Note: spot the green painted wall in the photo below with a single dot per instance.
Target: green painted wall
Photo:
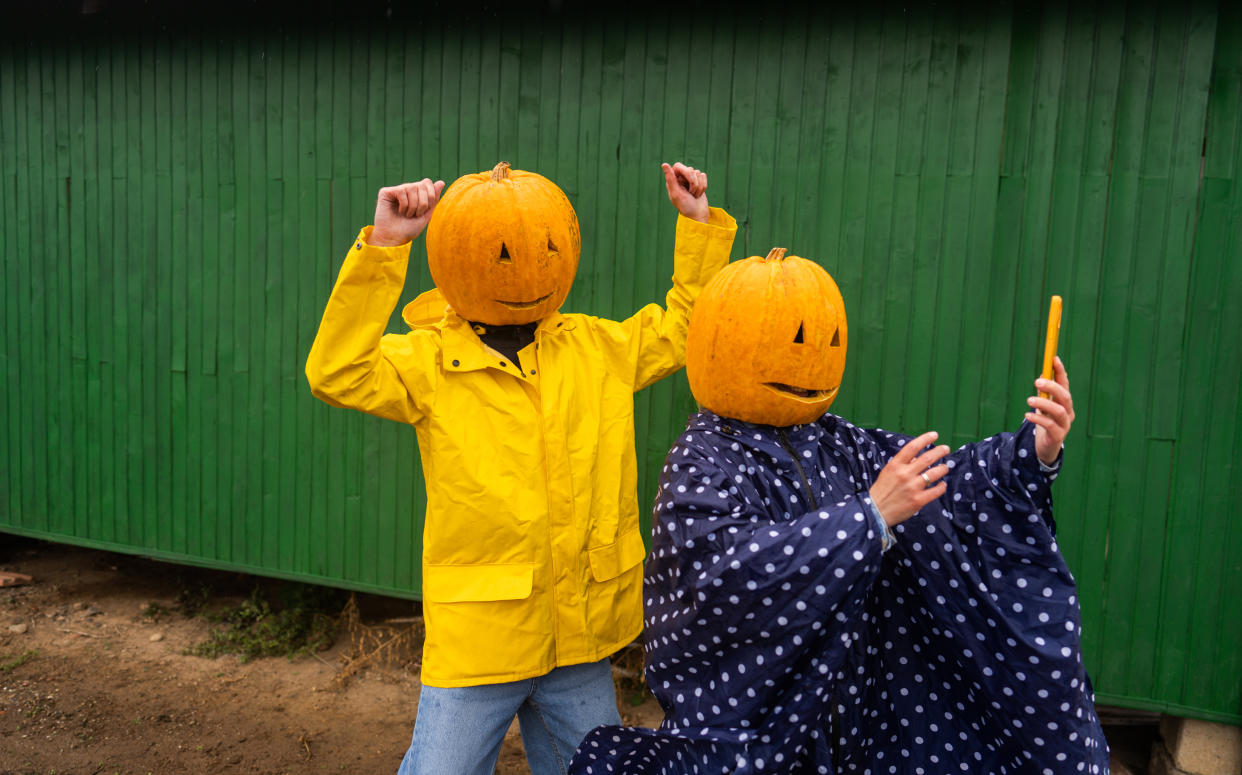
(176, 204)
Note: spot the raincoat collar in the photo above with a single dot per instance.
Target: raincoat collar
(463, 349)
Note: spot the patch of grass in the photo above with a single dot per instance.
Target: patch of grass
(299, 623)
(154, 612)
(8, 667)
(192, 601)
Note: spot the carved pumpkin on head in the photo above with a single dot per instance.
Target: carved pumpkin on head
(503, 246)
(767, 341)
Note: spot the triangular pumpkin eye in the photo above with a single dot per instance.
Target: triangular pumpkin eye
(798, 336)
(836, 338)
(552, 247)
(504, 255)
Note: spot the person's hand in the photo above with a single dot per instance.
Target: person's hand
(1054, 415)
(911, 480)
(402, 212)
(687, 190)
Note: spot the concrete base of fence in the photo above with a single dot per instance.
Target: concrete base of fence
(1192, 747)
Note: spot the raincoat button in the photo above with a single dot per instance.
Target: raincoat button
(502, 363)
(532, 371)
(456, 362)
(358, 246)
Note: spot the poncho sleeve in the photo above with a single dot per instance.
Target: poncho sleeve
(749, 614)
(982, 618)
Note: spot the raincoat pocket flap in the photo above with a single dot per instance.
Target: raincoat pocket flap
(477, 583)
(608, 562)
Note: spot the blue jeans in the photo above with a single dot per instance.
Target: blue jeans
(459, 731)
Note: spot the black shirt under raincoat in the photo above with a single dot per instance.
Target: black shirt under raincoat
(782, 638)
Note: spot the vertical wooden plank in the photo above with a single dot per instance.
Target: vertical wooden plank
(101, 283)
(147, 335)
(233, 163)
(602, 215)
(134, 242)
(585, 145)
(267, 449)
(37, 387)
(740, 138)
(651, 254)
(302, 242)
(1175, 641)
(1188, 66)
(58, 338)
(930, 226)
(880, 286)
(484, 151)
(981, 405)
(175, 265)
(720, 48)
(804, 180)
(1079, 327)
(10, 319)
(122, 367)
(191, 290)
(72, 94)
(1154, 215)
(330, 554)
(293, 71)
(1123, 536)
(900, 295)
(762, 162)
(254, 383)
(212, 86)
(850, 239)
(946, 332)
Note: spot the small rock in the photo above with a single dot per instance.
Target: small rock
(20, 628)
(157, 636)
(79, 606)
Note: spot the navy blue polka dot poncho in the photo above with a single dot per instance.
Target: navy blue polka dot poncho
(782, 637)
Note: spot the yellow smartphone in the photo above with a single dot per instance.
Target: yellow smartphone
(1050, 342)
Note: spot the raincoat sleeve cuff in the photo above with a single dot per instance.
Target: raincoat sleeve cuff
(887, 539)
(379, 252)
(1056, 464)
(720, 225)
(702, 249)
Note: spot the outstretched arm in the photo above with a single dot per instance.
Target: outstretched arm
(351, 363)
(651, 344)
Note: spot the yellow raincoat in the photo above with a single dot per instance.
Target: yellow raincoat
(532, 553)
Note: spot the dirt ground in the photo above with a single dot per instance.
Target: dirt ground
(94, 679)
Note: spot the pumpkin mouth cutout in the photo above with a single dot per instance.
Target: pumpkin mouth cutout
(524, 304)
(806, 395)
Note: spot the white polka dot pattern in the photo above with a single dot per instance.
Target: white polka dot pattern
(780, 639)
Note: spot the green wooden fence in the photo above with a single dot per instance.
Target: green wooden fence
(176, 204)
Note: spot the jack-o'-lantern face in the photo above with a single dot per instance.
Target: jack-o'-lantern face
(767, 341)
(503, 246)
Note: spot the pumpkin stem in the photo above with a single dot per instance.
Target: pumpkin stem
(500, 171)
(776, 254)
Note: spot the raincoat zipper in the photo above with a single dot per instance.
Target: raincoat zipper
(806, 484)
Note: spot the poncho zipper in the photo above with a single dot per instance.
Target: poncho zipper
(806, 484)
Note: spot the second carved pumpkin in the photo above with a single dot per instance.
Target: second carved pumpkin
(503, 246)
(767, 341)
